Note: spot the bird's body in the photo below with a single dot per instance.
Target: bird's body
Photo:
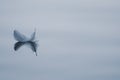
(23, 40)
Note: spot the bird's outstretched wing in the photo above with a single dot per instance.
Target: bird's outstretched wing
(33, 46)
(33, 36)
(18, 45)
(20, 37)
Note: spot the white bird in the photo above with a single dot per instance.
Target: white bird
(22, 40)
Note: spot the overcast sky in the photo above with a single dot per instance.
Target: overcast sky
(78, 39)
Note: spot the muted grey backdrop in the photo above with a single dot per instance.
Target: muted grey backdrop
(78, 39)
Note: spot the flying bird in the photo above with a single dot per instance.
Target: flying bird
(23, 40)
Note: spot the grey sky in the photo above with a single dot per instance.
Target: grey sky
(78, 39)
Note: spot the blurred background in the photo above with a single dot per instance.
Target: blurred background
(78, 39)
